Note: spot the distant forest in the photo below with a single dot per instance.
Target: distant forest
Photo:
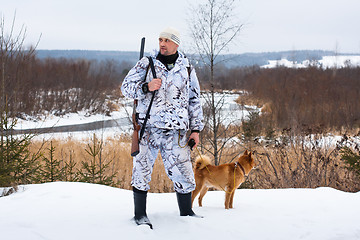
(232, 60)
(311, 99)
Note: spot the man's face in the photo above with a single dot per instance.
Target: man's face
(167, 47)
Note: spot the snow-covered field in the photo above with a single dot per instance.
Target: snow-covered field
(74, 211)
(74, 119)
(325, 62)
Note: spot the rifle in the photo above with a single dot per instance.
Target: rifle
(135, 135)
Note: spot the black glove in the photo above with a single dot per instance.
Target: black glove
(191, 143)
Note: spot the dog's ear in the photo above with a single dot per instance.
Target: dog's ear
(249, 154)
(246, 152)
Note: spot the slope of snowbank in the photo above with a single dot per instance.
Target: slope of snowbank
(76, 211)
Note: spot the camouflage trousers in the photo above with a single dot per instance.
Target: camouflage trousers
(176, 159)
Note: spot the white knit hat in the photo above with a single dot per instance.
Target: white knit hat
(172, 34)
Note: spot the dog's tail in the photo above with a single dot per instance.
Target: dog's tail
(201, 162)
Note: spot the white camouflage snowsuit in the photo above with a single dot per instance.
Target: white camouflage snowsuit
(176, 109)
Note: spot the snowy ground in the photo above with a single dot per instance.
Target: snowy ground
(50, 120)
(74, 211)
(325, 62)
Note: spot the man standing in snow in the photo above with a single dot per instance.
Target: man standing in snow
(175, 110)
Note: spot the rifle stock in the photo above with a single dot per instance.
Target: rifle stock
(135, 144)
(135, 136)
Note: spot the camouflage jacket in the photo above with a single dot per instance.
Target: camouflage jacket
(176, 104)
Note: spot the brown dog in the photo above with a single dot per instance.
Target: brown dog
(226, 177)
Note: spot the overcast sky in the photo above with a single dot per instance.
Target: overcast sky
(270, 25)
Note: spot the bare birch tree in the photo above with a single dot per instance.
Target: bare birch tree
(213, 27)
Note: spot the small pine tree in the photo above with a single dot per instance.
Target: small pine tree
(51, 171)
(17, 164)
(94, 171)
(70, 172)
(7, 167)
(351, 159)
(251, 126)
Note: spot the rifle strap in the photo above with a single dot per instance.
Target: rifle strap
(135, 100)
(151, 63)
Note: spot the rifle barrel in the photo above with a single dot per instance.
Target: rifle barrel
(142, 48)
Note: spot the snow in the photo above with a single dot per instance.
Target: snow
(49, 120)
(64, 210)
(65, 120)
(325, 62)
(74, 119)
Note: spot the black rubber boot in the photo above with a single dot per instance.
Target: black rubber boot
(184, 202)
(140, 207)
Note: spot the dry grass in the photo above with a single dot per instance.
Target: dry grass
(287, 166)
(248, 99)
(116, 150)
(299, 166)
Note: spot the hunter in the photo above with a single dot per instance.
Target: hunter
(176, 110)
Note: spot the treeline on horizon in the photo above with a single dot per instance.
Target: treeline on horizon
(232, 60)
(311, 99)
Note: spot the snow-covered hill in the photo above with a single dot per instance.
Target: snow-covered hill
(75, 211)
(325, 62)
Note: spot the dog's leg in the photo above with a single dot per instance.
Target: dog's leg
(202, 194)
(232, 199)
(195, 192)
(227, 200)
